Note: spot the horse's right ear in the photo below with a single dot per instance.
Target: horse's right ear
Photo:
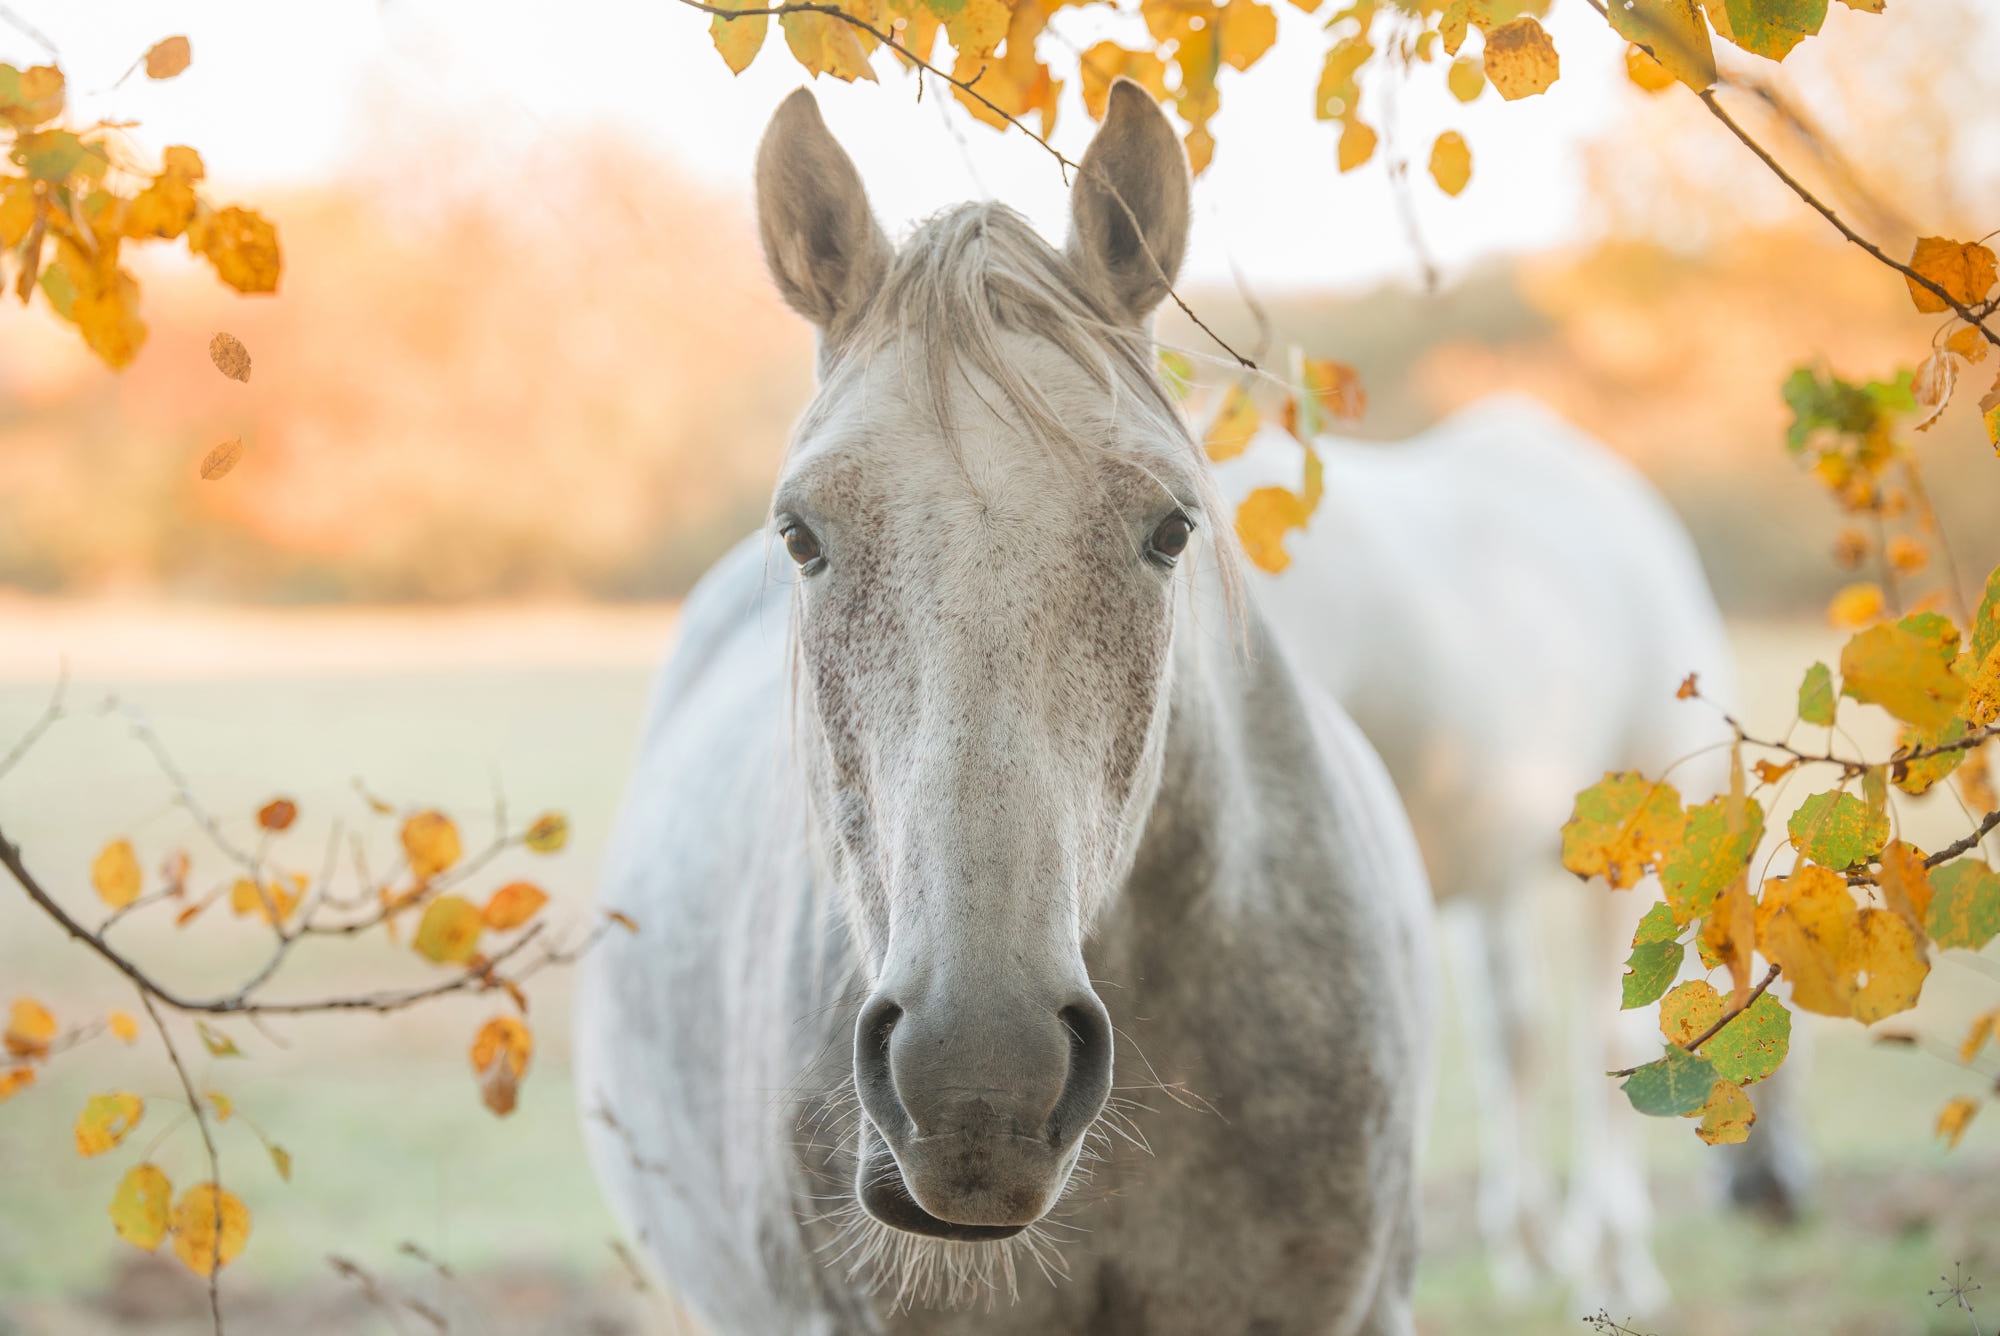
(826, 252)
(1129, 210)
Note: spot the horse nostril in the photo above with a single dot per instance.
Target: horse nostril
(873, 1080)
(1089, 1082)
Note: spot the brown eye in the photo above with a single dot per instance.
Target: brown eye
(799, 541)
(1170, 539)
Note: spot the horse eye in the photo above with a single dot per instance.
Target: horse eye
(799, 541)
(1171, 538)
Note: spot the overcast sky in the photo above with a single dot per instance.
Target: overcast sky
(284, 90)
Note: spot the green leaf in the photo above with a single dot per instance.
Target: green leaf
(1905, 668)
(1709, 856)
(1655, 960)
(1754, 1044)
(1816, 700)
(57, 155)
(1965, 904)
(1677, 1084)
(1836, 830)
(217, 1043)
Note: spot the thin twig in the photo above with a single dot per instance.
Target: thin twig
(1957, 847)
(34, 34)
(1770, 977)
(50, 713)
(207, 1140)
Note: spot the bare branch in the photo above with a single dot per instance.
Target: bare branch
(208, 1142)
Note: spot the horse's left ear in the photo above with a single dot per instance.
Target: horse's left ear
(1129, 212)
(825, 250)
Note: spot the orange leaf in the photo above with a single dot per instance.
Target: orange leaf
(123, 1024)
(278, 814)
(549, 833)
(500, 1053)
(1954, 1118)
(115, 874)
(512, 905)
(624, 921)
(1965, 269)
(30, 1027)
(166, 59)
(106, 1120)
(1856, 606)
(14, 1080)
(221, 459)
(1521, 61)
(430, 840)
(197, 1242)
(1451, 162)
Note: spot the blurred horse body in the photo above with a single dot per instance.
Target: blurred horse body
(1506, 609)
(975, 781)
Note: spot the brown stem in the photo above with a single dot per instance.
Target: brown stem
(207, 1140)
(1770, 977)
(1957, 847)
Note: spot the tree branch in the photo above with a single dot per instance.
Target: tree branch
(1770, 977)
(207, 1140)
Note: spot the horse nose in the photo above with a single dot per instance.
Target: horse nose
(959, 1068)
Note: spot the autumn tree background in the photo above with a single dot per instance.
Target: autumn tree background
(521, 378)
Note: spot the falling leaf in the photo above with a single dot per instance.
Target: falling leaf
(449, 931)
(1856, 606)
(231, 358)
(1837, 830)
(1671, 37)
(1965, 904)
(1233, 427)
(1520, 59)
(1816, 698)
(1964, 269)
(1619, 827)
(1905, 671)
(500, 1053)
(115, 874)
(512, 905)
(1954, 1118)
(1728, 1115)
(141, 1206)
(241, 245)
(549, 833)
(14, 1080)
(221, 459)
(1803, 925)
(1677, 1084)
(124, 1025)
(738, 39)
(30, 1027)
(1451, 162)
(217, 1043)
(167, 58)
(196, 1240)
(278, 814)
(106, 1120)
(1655, 960)
(1886, 959)
(430, 841)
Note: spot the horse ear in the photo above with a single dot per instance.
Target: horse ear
(825, 250)
(1129, 252)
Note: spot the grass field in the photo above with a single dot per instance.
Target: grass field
(381, 1117)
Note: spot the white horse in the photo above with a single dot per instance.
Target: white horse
(960, 773)
(1506, 609)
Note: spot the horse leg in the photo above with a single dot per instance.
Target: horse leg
(1607, 1249)
(1502, 1192)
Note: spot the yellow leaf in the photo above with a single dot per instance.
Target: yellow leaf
(512, 905)
(241, 245)
(1100, 67)
(739, 39)
(1728, 1116)
(1451, 162)
(1333, 392)
(199, 1244)
(30, 1027)
(1964, 269)
(1856, 606)
(220, 460)
(1357, 144)
(449, 930)
(1200, 145)
(1620, 826)
(1907, 556)
(1906, 674)
(107, 315)
(1672, 34)
(273, 904)
(1245, 30)
(430, 841)
(549, 833)
(1906, 883)
(1804, 922)
(224, 1106)
(1982, 697)
(1466, 79)
(163, 209)
(123, 1024)
(115, 874)
(1520, 59)
(1234, 425)
(500, 1053)
(105, 1121)
(976, 26)
(1337, 94)
(31, 96)
(17, 210)
(1263, 520)
(182, 163)
(14, 1080)
(1983, 1028)
(141, 1205)
(166, 59)
(1953, 1119)
(1688, 1011)
(1646, 72)
(1885, 959)
(827, 45)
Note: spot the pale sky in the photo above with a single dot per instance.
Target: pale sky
(284, 90)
